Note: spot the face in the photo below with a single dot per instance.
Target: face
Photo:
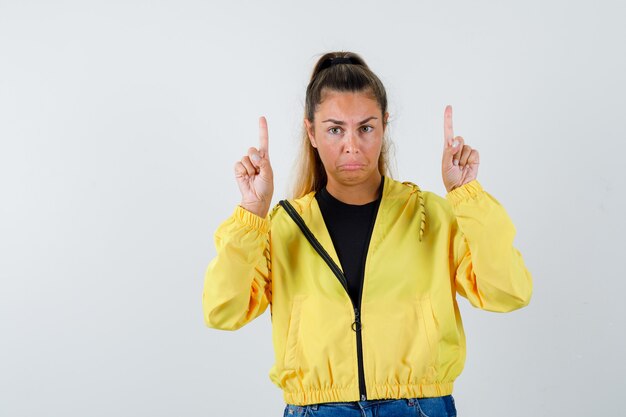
(348, 134)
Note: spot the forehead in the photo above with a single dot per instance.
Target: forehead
(348, 104)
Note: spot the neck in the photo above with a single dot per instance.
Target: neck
(357, 194)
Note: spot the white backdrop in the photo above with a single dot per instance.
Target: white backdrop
(120, 122)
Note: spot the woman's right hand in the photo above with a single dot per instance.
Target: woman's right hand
(255, 177)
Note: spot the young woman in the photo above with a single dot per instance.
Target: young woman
(361, 271)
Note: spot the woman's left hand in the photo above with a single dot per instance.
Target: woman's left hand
(460, 162)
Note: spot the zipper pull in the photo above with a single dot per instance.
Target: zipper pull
(356, 325)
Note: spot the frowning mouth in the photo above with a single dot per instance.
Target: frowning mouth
(351, 167)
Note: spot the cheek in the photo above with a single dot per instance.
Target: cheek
(328, 149)
(327, 156)
(372, 148)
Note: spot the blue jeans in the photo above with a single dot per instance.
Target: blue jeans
(406, 407)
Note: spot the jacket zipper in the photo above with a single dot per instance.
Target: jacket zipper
(356, 325)
(357, 309)
(315, 243)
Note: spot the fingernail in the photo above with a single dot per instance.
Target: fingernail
(255, 158)
(455, 162)
(455, 143)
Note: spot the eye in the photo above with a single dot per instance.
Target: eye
(367, 129)
(334, 130)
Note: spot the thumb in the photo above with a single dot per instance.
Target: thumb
(259, 159)
(451, 150)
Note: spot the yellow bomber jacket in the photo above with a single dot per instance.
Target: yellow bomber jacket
(424, 249)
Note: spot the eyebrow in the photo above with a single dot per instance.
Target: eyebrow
(339, 122)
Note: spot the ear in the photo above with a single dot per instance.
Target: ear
(385, 120)
(310, 130)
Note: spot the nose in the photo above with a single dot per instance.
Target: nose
(352, 144)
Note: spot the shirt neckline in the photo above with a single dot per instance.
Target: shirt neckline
(323, 193)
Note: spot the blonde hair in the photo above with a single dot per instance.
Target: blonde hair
(348, 73)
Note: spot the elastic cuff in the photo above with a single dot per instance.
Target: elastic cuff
(251, 219)
(471, 190)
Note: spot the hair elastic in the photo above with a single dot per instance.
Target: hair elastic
(336, 61)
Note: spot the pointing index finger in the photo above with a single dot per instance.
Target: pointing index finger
(263, 136)
(448, 133)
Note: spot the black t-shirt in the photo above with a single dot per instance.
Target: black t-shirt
(350, 227)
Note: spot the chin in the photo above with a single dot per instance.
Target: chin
(352, 177)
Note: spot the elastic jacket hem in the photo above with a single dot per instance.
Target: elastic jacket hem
(376, 392)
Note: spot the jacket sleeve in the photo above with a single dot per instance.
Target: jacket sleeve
(237, 282)
(490, 272)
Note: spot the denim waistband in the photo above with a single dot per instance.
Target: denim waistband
(367, 403)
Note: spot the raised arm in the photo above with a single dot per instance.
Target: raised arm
(237, 283)
(489, 271)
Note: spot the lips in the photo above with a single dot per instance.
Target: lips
(351, 166)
